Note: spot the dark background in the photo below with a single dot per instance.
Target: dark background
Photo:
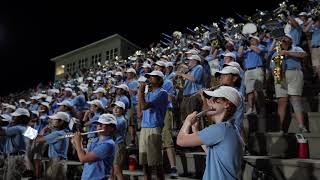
(33, 32)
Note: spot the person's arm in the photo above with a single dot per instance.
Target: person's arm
(301, 54)
(294, 23)
(186, 76)
(2, 132)
(240, 51)
(308, 26)
(141, 101)
(83, 155)
(195, 129)
(185, 139)
(256, 49)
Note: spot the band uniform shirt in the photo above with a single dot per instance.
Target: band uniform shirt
(168, 86)
(225, 151)
(15, 141)
(253, 59)
(121, 129)
(193, 87)
(57, 148)
(105, 151)
(315, 39)
(154, 116)
(92, 126)
(134, 85)
(123, 99)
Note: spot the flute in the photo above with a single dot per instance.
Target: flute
(70, 135)
(202, 113)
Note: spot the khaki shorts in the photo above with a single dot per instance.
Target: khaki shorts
(293, 84)
(120, 154)
(189, 105)
(315, 56)
(167, 130)
(150, 147)
(253, 80)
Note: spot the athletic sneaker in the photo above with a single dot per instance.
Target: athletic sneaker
(173, 174)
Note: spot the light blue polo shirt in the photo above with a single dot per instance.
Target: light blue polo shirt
(253, 59)
(33, 107)
(57, 148)
(170, 76)
(121, 129)
(43, 121)
(154, 116)
(225, 151)
(296, 33)
(315, 40)
(134, 85)
(104, 101)
(168, 86)
(93, 124)
(100, 169)
(15, 141)
(239, 115)
(290, 62)
(193, 87)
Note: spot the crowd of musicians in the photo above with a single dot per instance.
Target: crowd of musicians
(159, 92)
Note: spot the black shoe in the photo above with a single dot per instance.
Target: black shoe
(173, 173)
(27, 173)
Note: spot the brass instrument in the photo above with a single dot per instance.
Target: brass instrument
(278, 61)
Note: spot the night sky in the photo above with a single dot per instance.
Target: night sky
(32, 33)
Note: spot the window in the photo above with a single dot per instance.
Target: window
(107, 55)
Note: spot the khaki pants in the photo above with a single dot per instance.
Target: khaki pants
(14, 167)
(56, 170)
(190, 104)
(167, 130)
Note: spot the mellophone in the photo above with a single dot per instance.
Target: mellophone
(70, 135)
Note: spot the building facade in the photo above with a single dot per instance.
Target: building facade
(99, 52)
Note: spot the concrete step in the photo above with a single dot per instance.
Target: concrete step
(274, 168)
(312, 119)
(283, 145)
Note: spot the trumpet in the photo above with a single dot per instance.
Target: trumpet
(70, 135)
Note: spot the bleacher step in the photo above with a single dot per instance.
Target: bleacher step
(313, 120)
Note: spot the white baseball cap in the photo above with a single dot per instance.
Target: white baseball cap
(107, 119)
(96, 102)
(100, 90)
(195, 57)
(227, 92)
(230, 54)
(65, 103)
(46, 104)
(169, 64)
(5, 117)
(120, 104)
(9, 106)
(289, 36)
(154, 73)
(228, 70)
(233, 64)
(119, 74)
(192, 51)
(255, 37)
(83, 88)
(68, 89)
(34, 97)
(21, 112)
(123, 86)
(206, 48)
(161, 63)
(22, 101)
(131, 70)
(146, 65)
(61, 115)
